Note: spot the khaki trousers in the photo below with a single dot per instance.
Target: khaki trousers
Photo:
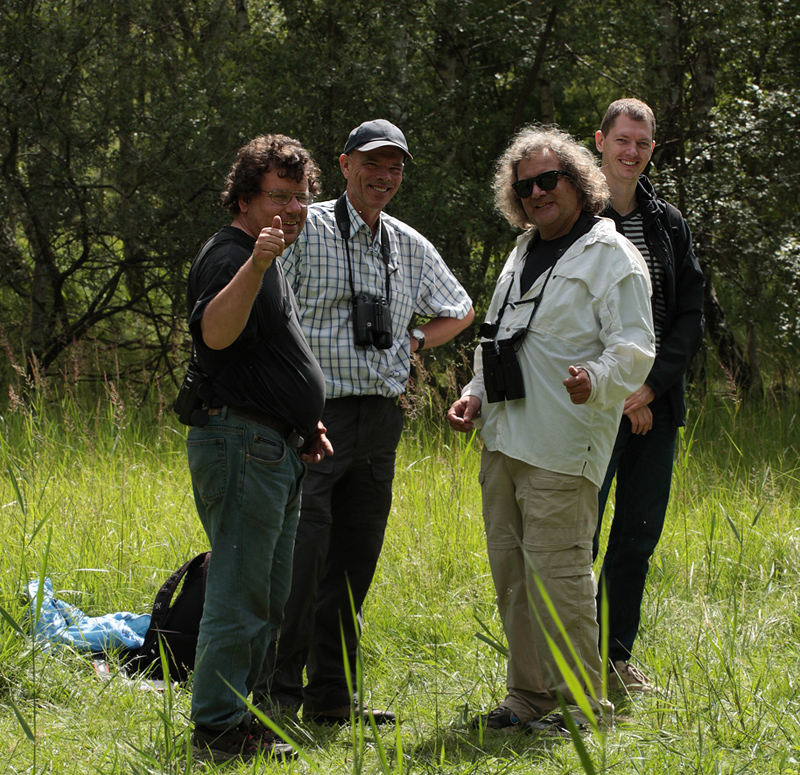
(541, 521)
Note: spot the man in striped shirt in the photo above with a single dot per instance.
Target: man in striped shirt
(360, 276)
(643, 453)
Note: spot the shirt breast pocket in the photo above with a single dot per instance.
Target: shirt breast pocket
(402, 308)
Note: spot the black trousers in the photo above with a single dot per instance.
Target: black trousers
(344, 510)
(643, 467)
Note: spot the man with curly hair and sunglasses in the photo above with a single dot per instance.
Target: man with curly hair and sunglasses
(567, 336)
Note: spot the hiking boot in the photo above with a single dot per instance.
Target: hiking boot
(499, 718)
(624, 675)
(282, 715)
(341, 716)
(552, 725)
(258, 727)
(244, 741)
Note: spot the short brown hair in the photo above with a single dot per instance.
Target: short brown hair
(264, 154)
(633, 109)
(576, 160)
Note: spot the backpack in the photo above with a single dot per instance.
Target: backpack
(174, 623)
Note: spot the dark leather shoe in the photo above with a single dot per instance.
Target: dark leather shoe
(499, 718)
(341, 716)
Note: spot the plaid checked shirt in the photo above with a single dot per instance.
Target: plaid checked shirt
(421, 283)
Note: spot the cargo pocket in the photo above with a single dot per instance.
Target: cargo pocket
(382, 470)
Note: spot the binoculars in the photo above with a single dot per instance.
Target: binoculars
(501, 370)
(372, 322)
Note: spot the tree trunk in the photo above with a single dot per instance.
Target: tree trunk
(719, 331)
(533, 75)
(756, 387)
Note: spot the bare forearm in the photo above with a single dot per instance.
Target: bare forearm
(441, 330)
(226, 314)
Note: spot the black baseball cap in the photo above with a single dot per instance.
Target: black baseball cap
(375, 134)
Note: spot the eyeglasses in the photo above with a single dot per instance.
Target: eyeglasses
(547, 181)
(304, 199)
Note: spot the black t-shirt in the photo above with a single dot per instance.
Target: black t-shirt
(542, 253)
(270, 367)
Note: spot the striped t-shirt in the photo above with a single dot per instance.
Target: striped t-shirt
(632, 226)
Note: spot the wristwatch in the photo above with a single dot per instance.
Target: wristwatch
(419, 335)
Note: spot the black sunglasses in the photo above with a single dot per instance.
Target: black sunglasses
(547, 181)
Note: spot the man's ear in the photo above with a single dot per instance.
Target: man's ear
(344, 164)
(598, 140)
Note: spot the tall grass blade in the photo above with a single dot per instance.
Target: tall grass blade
(577, 739)
(40, 524)
(604, 635)
(24, 724)
(576, 688)
(688, 442)
(12, 622)
(278, 730)
(758, 515)
(488, 638)
(556, 651)
(359, 743)
(15, 485)
(498, 647)
(730, 522)
(42, 577)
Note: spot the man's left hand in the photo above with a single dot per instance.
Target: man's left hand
(639, 398)
(578, 385)
(641, 420)
(317, 447)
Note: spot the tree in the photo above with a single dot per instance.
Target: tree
(123, 119)
(116, 134)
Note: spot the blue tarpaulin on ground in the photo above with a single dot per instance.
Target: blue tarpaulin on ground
(60, 623)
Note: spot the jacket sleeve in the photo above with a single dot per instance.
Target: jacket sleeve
(628, 343)
(680, 343)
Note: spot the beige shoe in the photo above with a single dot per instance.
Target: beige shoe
(629, 677)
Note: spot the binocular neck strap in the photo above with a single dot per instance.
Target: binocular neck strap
(536, 301)
(343, 224)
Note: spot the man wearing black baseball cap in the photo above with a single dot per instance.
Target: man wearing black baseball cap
(376, 134)
(360, 276)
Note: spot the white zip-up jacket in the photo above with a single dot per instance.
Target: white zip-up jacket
(595, 314)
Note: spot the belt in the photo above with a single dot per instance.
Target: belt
(293, 439)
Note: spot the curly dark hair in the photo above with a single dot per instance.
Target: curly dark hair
(264, 154)
(577, 161)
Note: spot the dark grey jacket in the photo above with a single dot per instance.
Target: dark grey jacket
(670, 241)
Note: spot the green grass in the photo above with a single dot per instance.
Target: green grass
(98, 499)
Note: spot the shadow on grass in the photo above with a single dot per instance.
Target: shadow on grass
(479, 748)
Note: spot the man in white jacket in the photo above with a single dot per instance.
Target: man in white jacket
(567, 338)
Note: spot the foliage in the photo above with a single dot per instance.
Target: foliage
(122, 119)
(117, 132)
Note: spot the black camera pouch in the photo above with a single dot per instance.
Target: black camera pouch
(191, 395)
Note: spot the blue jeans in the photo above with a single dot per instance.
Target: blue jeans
(246, 483)
(643, 467)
